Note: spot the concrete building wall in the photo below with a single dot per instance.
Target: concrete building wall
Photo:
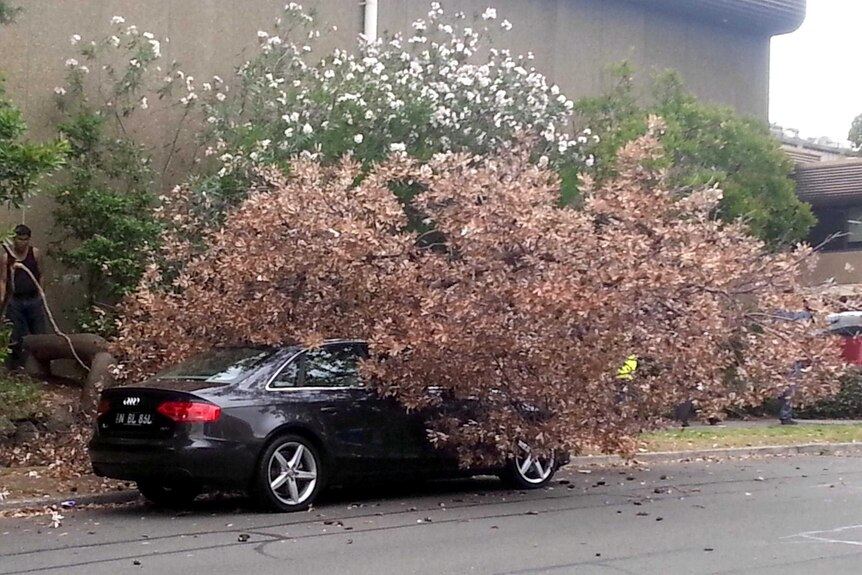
(574, 41)
(844, 268)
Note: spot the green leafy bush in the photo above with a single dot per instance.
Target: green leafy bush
(8, 12)
(709, 145)
(847, 403)
(105, 201)
(20, 398)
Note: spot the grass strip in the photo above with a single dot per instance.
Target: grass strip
(723, 437)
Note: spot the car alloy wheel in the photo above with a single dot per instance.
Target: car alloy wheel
(290, 474)
(526, 470)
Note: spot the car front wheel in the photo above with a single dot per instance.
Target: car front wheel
(289, 475)
(526, 470)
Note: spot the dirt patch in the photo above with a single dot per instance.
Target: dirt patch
(47, 454)
(43, 482)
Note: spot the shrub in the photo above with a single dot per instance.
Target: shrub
(20, 398)
(106, 198)
(846, 404)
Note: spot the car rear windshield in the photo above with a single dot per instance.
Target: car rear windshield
(221, 365)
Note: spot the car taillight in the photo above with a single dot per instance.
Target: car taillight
(189, 412)
(104, 407)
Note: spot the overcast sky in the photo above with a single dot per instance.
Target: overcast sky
(816, 84)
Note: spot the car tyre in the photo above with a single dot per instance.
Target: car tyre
(524, 470)
(168, 495)
(289, 475)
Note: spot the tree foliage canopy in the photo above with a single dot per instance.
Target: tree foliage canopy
(22, 163)
(8, 12)
(855, 135)
(521, 304)
(706, 145)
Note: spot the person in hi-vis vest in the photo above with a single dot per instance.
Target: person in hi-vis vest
(625, 374)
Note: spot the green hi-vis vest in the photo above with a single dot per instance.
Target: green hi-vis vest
(628, 369)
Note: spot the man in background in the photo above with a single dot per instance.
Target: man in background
(20, 278)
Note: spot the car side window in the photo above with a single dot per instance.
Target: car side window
(289, 376)
(334, 365)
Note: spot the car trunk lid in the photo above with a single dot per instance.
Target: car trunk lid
(135, 411)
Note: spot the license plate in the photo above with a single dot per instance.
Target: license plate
(134, 419)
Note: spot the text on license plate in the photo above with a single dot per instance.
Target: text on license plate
(134, 419)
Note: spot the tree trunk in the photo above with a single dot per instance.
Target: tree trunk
(91, 349)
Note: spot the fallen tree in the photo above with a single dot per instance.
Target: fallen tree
(90, 351)
(509, 298)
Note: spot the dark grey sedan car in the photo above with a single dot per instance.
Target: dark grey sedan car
(280, 423)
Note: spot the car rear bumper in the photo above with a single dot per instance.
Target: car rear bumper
(209, 462)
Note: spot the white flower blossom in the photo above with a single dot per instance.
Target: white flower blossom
(60, 91)
(397, 147)
(358, 138)
(262, 35)
(115, 41)
(71, 63)
(307, 129)
(144, 103)
(590, 161)
(75, 39)
(118, 20)
(506, 25)
(489, 14)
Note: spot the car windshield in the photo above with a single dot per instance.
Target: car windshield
(221, 365)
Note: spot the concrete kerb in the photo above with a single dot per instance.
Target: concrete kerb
(580, 462)
(114, 497)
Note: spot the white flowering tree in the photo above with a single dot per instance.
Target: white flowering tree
(105, 199)
(445, 88)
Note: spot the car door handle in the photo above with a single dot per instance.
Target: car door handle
(328, 410)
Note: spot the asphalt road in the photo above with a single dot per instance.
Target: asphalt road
(765, 516)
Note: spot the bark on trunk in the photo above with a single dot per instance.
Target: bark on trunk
(91, 349)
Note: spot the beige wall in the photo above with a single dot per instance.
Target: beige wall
(574, 41)
(843, 267)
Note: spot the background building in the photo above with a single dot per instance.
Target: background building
(721, 47)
